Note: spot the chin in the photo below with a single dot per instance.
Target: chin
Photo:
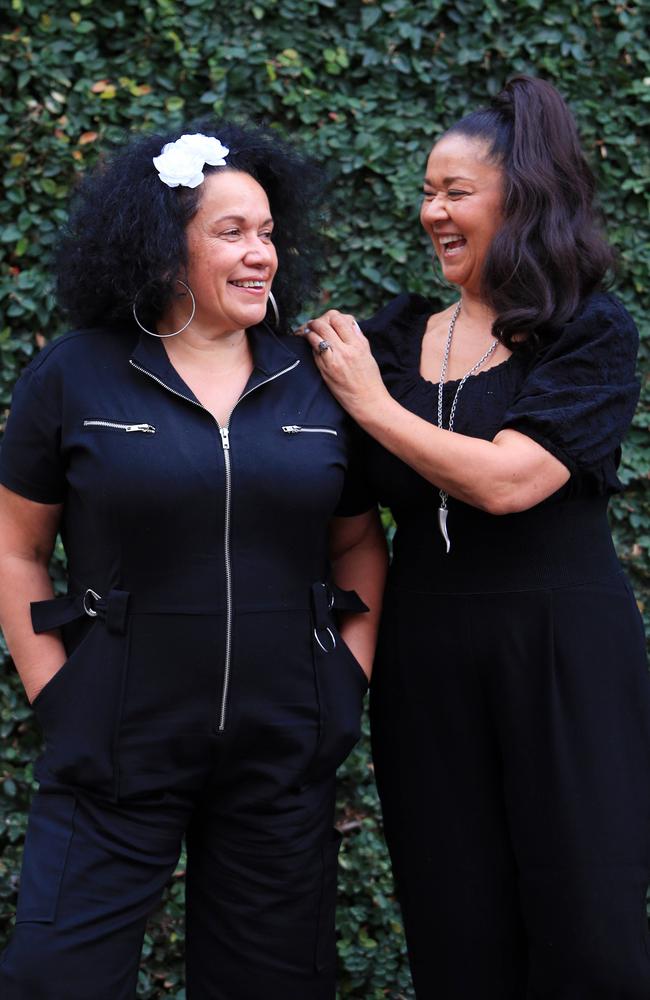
(243, 320)
(258, 318)
(454, 276)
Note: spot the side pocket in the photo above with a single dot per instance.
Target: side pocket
(49, 833)
(79, 711)
(355, 665)
(46, 691)
(325, 958)
(341, 685)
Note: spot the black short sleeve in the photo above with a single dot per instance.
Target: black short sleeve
(30, 455)
(356, 496)
(579, 396)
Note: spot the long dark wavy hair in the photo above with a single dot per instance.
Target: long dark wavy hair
(550, 252)
(126, 232)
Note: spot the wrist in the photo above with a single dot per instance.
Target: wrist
(375, 412)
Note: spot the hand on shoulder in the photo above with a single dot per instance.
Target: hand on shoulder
(344, 359)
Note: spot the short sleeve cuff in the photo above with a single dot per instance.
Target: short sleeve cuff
(523, 426)
(354, 509)
(28, 490)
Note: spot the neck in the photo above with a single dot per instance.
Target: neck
(218, 354)
(475, 310)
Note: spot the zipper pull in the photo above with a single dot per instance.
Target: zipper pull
(225, 438)
(291, 428)
(145, 428)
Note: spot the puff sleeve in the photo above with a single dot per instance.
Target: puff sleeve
(579, 395)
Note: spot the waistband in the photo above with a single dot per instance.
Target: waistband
(552, 545)
(321, 599)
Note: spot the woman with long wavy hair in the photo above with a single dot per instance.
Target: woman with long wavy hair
(511, 702)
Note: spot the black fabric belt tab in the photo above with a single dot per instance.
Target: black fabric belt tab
(327, 597)
(113, 610)
(58, 611)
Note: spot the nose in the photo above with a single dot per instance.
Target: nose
(433, 210)
(260, 252)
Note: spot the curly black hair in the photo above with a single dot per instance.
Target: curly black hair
(549, 252)
(126, 232)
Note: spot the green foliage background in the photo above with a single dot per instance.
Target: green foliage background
(365, 87)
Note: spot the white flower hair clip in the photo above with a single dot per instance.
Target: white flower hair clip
(181, 162)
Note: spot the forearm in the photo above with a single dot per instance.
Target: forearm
(510, 473)
(363, 568)
(37, 657)
(467, 468)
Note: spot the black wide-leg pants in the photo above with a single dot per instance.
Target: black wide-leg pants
(254, 802)
(511, 738)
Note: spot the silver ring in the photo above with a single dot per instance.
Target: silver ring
(332, 637)
(324, 346)
(90, 611)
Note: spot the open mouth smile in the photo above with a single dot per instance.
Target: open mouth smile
(451, 243)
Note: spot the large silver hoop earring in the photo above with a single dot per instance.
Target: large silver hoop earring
(162, 336)
(276, 311)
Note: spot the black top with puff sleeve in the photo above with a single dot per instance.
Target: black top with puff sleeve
(575, 396)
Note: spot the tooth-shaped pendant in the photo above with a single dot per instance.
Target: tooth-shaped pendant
(442, 524)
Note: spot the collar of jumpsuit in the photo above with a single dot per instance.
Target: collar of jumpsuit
(270, 357)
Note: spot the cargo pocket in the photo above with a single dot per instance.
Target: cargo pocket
(325, 958)
(47, 842)
(79, 712)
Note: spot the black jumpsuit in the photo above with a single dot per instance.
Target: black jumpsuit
(207, 692)
(510, 703)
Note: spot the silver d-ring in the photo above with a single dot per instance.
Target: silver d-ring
(90, 611)
(332, 637)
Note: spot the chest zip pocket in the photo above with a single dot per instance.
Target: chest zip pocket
(307, 429)
(118, 426)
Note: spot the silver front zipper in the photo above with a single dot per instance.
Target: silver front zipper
(301, 429)
(225, 443)
(129, 428)
(224, 433)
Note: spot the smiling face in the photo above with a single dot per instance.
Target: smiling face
(462, 207)
(231, 257)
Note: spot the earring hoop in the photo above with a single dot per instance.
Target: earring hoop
(276, 311)
(161, 336)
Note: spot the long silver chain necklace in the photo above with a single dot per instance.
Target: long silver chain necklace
(442, 510)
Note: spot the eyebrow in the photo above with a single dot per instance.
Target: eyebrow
(449, 180)
(239, 218)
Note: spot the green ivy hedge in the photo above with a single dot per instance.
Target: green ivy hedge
(365, 87)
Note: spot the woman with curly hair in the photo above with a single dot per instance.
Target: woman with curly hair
(203, 677)
(510, 704)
